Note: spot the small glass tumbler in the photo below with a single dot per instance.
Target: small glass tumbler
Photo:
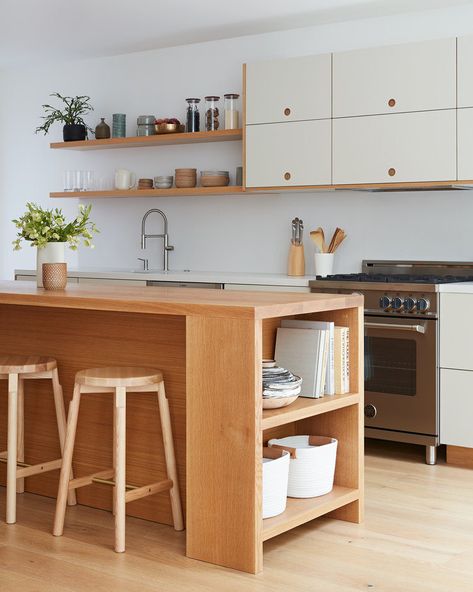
(69, 180)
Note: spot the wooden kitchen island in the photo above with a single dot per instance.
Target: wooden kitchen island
(209, 345)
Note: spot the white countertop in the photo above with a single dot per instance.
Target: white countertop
(223, 277)
(459, 288)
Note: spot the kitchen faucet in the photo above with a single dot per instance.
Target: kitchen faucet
(164, 236)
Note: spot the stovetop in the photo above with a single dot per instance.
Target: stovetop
(395, 278)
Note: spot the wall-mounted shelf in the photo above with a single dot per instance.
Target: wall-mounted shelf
(172, 192)
(231, 135)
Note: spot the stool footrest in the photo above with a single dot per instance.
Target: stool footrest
(89, 479)
(139, 492)
(29, 470)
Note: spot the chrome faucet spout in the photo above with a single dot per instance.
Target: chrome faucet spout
(164, 236)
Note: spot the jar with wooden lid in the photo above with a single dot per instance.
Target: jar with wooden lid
(212, 113)
(231, 110)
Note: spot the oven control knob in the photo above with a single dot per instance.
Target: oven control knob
(422, 304)
(385, 302)
(397, 303)
(370, 411)
(409, 304)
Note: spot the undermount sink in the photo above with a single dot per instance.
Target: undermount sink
(170, 272)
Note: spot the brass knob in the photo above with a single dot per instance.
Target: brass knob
(392, 102)
(287, 176)
(287, 111)
(392, 172)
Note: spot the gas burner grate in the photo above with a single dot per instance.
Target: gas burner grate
(396, 278)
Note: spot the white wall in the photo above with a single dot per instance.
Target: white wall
(249, 233)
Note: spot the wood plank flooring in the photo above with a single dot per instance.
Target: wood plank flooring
(417, 537)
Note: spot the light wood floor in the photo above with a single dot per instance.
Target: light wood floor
(418, 536)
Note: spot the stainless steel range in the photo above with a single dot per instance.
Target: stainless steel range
(401, 345)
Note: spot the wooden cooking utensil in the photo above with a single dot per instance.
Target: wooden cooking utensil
(317, 237)
(337, 239)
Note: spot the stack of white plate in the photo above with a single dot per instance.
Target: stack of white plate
(280, 386)
(312, 470)
(275, 475)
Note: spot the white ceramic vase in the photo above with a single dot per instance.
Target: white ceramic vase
(50, 253)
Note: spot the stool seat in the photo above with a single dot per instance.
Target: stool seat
(26, 364)
(115, 376)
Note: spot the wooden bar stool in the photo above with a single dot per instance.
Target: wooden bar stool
(119, 380)
(17, 369)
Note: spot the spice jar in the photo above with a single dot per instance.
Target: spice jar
(193, 115)
(145, 125)
(212, 113)
(231, 110)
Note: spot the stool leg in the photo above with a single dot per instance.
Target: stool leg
(20, 446)
(170, 458)
(66, 463)
(120, 467)
(12, 447)
(61, 424)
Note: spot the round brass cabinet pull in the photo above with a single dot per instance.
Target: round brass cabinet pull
(391, 172)
(287, 176)
(392, 102)
(287, 111)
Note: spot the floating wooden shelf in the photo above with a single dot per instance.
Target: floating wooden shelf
(299, 511)
(304, 407)
(231, 135)
(172, 192)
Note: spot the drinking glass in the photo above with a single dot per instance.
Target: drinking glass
(69, 180)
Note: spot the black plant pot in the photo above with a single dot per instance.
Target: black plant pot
(72, 132)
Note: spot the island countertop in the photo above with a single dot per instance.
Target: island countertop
(175, 301)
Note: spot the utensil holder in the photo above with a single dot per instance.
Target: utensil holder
(324, 263)
(296, 263)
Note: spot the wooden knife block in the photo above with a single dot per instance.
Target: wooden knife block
(296, 263)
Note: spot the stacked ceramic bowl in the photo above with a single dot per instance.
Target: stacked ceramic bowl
(186, 178)
(280, 386)
(214, 178)
(163, 181)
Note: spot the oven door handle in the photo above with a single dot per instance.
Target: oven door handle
(396, 326)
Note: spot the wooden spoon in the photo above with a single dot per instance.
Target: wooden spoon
(318, 239)
(338, 237)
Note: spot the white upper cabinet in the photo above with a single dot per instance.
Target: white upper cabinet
(294, 89)
(288, 154)
(397, 78)
(465, 71)
(465, 144)
(403, 147)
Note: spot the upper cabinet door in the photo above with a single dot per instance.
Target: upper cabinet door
(288, 154)
(398, 78)
(294, 89)
(465, 71)
(405, 147)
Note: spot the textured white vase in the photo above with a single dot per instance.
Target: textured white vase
(50, 253)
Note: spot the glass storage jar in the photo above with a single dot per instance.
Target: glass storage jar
(212, 113)
(145, 125)
(192, 115)
(231, 110)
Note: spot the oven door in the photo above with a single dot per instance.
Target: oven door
(401, 390)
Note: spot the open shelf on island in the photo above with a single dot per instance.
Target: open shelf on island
(172, 192)
(305, 407)
(230, 135)
(299, 511)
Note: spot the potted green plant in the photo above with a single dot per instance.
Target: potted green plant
(49, 232)
(74, 108)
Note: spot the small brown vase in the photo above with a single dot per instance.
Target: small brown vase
(54, 276)
(102, 131)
